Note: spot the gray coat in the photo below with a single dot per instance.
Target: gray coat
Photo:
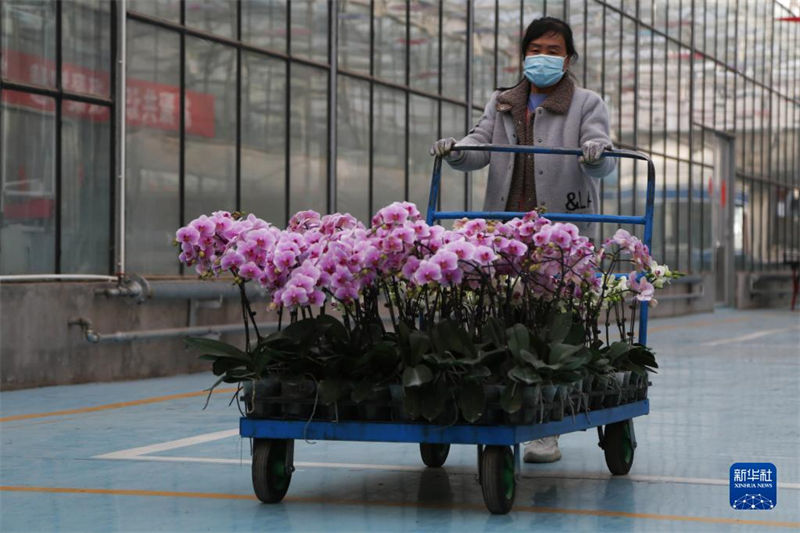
(568, 117)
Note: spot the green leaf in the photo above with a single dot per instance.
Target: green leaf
(433, 400)
(519, 338)
(416, 376)
(361, 391)
(222, 365)
(576, 335)
(471, 400)
(616, 350)
(511, 399)
(560, 352)
(332, 327)
(215, 347)
(412, 402)
(494, 332)
(560, 326)
(447, 335)
(419, 344)
(479, 372)
(525, 375)
(330, 391)
(529, 358)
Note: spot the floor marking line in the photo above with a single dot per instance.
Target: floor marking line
(749, 336)
(169, 445)
(117, 405)
(384, 503)
(449, 469)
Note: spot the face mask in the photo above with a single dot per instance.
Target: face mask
(544, 71)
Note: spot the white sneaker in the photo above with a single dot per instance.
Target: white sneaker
(542, 450)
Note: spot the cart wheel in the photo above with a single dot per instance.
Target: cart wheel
(618, 446)
(433, 455)
(272, 468)
(497, 478)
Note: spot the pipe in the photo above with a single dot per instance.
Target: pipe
(156, 334)
(56, 277)
(122, 12)
(142, 290)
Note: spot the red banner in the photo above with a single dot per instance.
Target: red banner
(148, 104)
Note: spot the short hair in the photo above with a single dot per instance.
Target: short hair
(545, 25)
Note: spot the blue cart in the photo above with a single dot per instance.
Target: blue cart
(498, 447)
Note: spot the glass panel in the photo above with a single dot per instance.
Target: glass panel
(424, 45)
(454, 49)
(483, 73)
(28, 41)
(263, 155)
(212, 16)
(210, 156)
(389, 157)
(308, 132)
(594, 59)
(422, 134)
(27, 178)
(479, 177)
(86, 61)
(264, 23)
(629, 101)
(310, 29)
(453, 195)
(152, 186)
(354, 28)
(611, 73)
(352, 165)
(85, 190)
(165, 9)
(390, 41)
(508, 39)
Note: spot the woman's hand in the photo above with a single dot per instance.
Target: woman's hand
(443, 147)
(593, 152)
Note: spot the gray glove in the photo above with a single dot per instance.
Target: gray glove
(444, 148)
(592, 152)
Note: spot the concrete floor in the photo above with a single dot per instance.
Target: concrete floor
(145, 456)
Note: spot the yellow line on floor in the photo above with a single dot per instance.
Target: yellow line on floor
(386, 503)
(118, 405)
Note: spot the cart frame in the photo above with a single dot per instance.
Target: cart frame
(273, 445)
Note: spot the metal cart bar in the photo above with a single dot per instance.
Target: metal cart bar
(456, 434)
(646, 220)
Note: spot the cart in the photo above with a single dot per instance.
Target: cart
(498, 446)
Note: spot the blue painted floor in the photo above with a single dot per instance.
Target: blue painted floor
(728, 391)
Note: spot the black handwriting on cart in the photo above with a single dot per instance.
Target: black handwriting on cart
(575, 201)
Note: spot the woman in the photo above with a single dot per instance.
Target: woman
(545, 108)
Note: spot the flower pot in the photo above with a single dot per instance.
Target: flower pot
(397, 396)
(559, 402)
(492, 413)
(526, 415)
(298, 396)
(261, 398)
(547, 401)
(377, 406)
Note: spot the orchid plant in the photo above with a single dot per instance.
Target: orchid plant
(432, 306)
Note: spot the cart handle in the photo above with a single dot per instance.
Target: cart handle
(646, 220)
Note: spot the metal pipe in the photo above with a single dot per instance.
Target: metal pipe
(122, 10)
(156, 334)
(56, 277)
(141, 289)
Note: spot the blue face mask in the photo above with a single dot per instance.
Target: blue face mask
(544, 71)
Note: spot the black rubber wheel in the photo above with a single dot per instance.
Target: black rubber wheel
(497, 478)
(271, 473)
(433, 455)
(618, 447)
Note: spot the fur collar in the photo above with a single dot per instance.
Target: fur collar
(557, 101)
